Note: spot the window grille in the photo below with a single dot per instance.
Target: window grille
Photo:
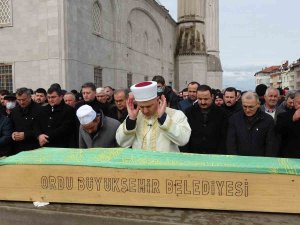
(6, 77)
(98, 76)
(97, 22)
(5, 13)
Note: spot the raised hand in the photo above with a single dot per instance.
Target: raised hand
(296, 115)
(132, 112)
(162, 106)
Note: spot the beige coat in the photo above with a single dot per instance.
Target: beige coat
(150, 135)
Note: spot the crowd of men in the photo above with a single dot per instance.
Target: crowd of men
(152, 116)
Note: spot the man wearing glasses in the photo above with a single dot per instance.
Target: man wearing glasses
(251, 131)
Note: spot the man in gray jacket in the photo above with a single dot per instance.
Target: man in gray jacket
(96, 130)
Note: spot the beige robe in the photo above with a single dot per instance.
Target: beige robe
(150, 135)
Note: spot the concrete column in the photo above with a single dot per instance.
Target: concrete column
(212, 27)
(191, 10)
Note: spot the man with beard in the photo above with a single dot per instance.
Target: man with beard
(208, 123)
(231, 104)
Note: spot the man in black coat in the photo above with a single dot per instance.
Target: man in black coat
(231, 104)
(5, 136)
(23, 116)
(162, 89)
(251, 132)
(288, 126)
(56, 126)
(89, 98)
(118, 110)
(208, 123)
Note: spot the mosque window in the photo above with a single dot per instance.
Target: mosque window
(129, 80)
(98, 76)
(97, 19)
(5, 13)
(6, 77)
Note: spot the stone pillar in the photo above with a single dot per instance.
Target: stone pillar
(212, 27)
(191, 10)
(191, 43)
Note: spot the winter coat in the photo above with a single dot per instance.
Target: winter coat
(255, 138)
(5, 136)
(289, 132)
(23, 121)
(59, 125)
(208, 135)
(104, 137)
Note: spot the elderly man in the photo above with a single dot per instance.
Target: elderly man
(151, 125)
(288, 126)
(70, 99)
(251, 131)
(96, 130)
(271, 99)
(118, 111)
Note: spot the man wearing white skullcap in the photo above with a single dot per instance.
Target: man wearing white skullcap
(152, 125)
(96, 130)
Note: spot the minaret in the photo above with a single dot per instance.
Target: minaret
(212, 27)
(194, 53)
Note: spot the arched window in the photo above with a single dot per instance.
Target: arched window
(97, 19)
(5, 13)
(129, 35)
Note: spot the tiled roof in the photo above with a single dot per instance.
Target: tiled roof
(270, 69)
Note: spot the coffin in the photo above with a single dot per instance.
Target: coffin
(145, 178)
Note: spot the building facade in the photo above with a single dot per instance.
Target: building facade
(280, 76)
(70, 42)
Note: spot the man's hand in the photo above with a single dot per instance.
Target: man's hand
(162, 106)
(296, 115)
(132, 112)
(18, 136)
(43, 139)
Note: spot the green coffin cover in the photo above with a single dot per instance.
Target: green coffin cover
(150, 160)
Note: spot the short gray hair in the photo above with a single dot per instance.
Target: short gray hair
(99, 90)
(250, 96)
(272, 89)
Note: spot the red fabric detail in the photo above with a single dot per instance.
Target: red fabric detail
(143, 84)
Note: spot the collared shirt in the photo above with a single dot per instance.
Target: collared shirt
(269, 111)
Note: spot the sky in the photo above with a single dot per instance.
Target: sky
(254, 34)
